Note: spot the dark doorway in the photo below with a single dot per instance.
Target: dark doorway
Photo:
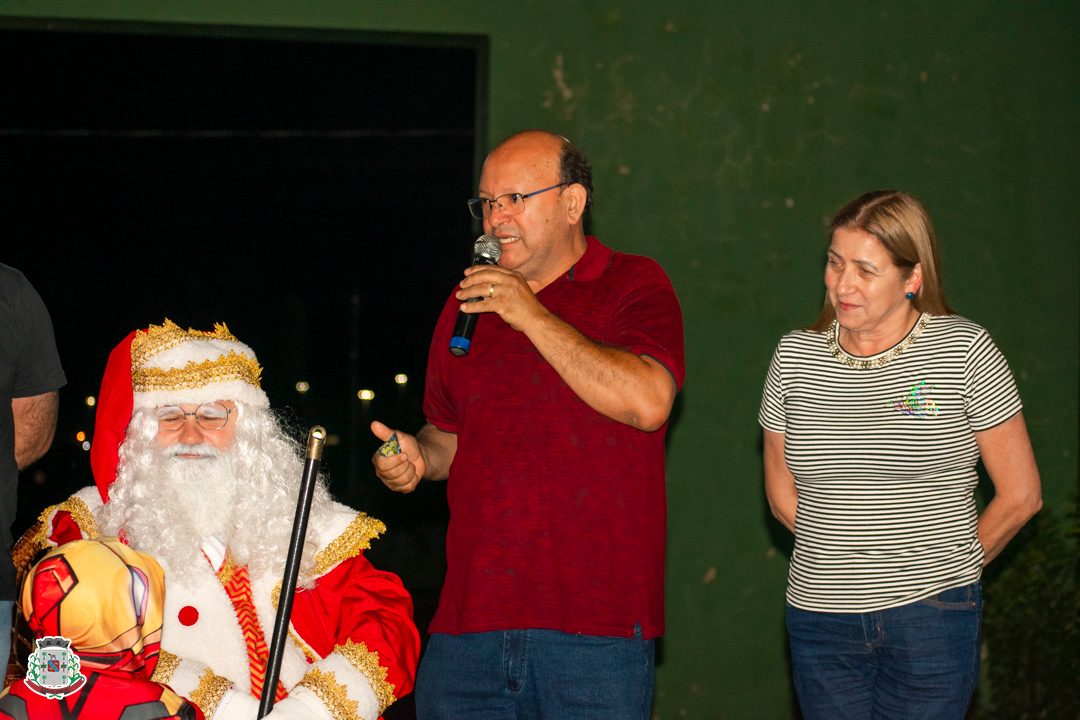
(307, 188)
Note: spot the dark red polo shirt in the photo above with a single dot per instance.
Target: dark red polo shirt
(557, 513)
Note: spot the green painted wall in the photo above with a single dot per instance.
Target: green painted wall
(723, 134)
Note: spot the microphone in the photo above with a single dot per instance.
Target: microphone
(486, 251)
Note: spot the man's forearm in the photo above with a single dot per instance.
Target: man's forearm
(634, 390)
(438, 449)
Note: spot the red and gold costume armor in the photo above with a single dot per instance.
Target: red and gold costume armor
(107, 600)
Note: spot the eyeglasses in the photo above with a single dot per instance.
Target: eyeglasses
(208, 416)
(510, 203)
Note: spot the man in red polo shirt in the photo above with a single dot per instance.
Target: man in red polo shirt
(550, 432)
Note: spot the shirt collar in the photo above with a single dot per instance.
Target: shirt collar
(592, 264)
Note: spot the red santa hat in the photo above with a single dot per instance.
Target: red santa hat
(167, 365)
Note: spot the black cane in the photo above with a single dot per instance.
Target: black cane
(316, 437)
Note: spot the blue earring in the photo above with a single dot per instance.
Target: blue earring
(909, 296)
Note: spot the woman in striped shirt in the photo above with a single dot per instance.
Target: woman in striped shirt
(874, 420)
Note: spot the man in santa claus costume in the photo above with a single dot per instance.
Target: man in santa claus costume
(192, 467)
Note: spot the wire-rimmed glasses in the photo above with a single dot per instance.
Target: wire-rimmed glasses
(510, 203)
(208, 416)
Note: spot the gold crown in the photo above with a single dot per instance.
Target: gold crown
(158, 338)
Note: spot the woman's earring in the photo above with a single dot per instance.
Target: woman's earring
(910, 295)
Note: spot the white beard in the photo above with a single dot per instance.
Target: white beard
(245, 496)
(203, 488)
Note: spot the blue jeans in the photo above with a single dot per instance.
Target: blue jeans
(6, 619)
(915, 661)
(535, 674)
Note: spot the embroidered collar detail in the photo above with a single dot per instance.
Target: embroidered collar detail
(870, 363)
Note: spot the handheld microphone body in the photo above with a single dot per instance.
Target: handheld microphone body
(486, 251)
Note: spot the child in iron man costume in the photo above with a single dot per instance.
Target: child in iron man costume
(106, 599)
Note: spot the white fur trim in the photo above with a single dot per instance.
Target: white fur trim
(196, 350)
(356, 684)
(185, 679)
(92, 498)
(330, 526)
(215, 639)
(237, 390)
(294, 664)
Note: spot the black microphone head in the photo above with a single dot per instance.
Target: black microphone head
(488, 248)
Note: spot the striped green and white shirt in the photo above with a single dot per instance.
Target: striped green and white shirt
(883, 452)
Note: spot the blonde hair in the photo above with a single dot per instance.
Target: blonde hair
(903, 227)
